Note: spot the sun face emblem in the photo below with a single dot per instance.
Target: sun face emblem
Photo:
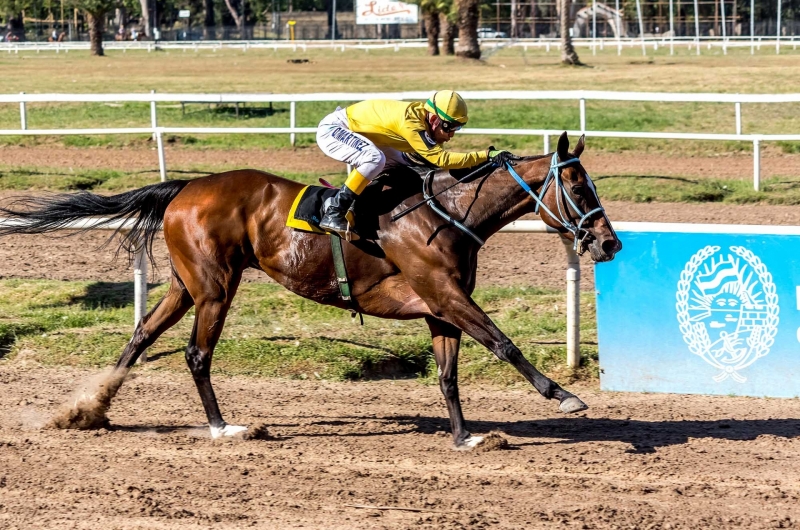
(727, 309)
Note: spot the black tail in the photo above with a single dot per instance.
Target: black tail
(145, 207)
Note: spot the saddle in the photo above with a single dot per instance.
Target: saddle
(307, 209)
(382, 195)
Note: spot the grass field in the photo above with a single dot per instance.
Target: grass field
(386, 70)
(271, 332)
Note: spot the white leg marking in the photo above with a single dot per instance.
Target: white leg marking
(227, 430)
(472, 441)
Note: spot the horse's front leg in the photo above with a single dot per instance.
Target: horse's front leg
(449, 302)
(446, 341)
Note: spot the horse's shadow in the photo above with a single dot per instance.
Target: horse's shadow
(643, 436)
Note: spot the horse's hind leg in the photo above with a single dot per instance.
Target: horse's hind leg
(91, 405)
(212, 308)
(446, 341)
(167, 312)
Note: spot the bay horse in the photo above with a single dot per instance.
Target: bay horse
(418, 266)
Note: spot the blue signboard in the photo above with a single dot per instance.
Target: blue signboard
(702, 313)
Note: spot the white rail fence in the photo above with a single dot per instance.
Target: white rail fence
(579, 96)
(654, 42)
(573, 267)
(573, 275)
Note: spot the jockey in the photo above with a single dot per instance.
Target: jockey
(374, 133)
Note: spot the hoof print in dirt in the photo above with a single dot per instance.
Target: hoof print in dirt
(493, 442)
(257, 432)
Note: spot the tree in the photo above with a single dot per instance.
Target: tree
(432, 10)
(468, 11)
(238, 18)
(568, 55)
(449, 22)
(11, 11)
(96, 11)
(145, 7)
(209, 26)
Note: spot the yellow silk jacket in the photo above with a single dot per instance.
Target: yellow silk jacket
(402, 126)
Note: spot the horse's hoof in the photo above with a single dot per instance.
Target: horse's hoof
(572, 404)
(469, 443)
(227, 431)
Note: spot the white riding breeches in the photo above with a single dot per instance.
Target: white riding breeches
(337, 141)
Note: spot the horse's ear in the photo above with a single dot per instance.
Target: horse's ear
(563, 147)
(579, 148)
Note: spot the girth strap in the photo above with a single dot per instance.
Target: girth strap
(341, 276)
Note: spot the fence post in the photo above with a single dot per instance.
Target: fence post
(292, 120)
(583, 115)
(546, 143)
(23, 115)
(162, 160)
(153, 115)
(140, 290)
(756, 164)
(738, 117)
(573, 305)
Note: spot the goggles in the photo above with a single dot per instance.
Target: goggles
(451, 126)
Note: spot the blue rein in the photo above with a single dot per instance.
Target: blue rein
(554, 175)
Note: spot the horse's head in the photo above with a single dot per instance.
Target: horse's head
(573, 207)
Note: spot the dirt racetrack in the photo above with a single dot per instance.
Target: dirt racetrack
(630, 461)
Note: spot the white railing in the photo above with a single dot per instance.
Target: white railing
(580, 96)
(573, 269)
(573, 275)
(548, 44)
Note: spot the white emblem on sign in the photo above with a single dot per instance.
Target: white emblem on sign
(727, 309)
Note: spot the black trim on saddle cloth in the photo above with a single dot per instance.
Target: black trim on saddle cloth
(306, 208)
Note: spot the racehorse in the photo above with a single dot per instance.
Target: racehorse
(417, 266)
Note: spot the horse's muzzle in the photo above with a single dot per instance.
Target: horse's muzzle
(604, 250)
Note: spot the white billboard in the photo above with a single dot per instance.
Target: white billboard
(386, 12)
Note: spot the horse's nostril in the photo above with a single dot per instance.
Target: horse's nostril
(610, 246)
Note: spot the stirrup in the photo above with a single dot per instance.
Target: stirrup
(348, 233)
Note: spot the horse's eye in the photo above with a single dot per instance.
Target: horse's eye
(577, 190)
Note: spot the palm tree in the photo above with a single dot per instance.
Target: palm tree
(96, 11)
(431, 11)
(449, 21)
(468, 12)
(568, 55)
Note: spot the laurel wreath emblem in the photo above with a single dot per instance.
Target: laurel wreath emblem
(695, 334)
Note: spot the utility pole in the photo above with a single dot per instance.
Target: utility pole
(333, 21)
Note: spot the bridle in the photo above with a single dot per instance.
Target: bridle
(563, 200)
(554, 175)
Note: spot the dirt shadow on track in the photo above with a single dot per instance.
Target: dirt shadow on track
(643, 436)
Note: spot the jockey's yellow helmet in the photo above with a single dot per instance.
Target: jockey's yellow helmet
(449, 106)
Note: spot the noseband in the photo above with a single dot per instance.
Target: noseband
(554, 175)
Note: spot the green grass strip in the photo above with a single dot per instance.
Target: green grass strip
(274, 333)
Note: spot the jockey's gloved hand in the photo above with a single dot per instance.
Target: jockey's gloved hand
(499, 158)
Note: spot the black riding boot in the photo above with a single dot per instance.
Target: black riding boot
(334, 219)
